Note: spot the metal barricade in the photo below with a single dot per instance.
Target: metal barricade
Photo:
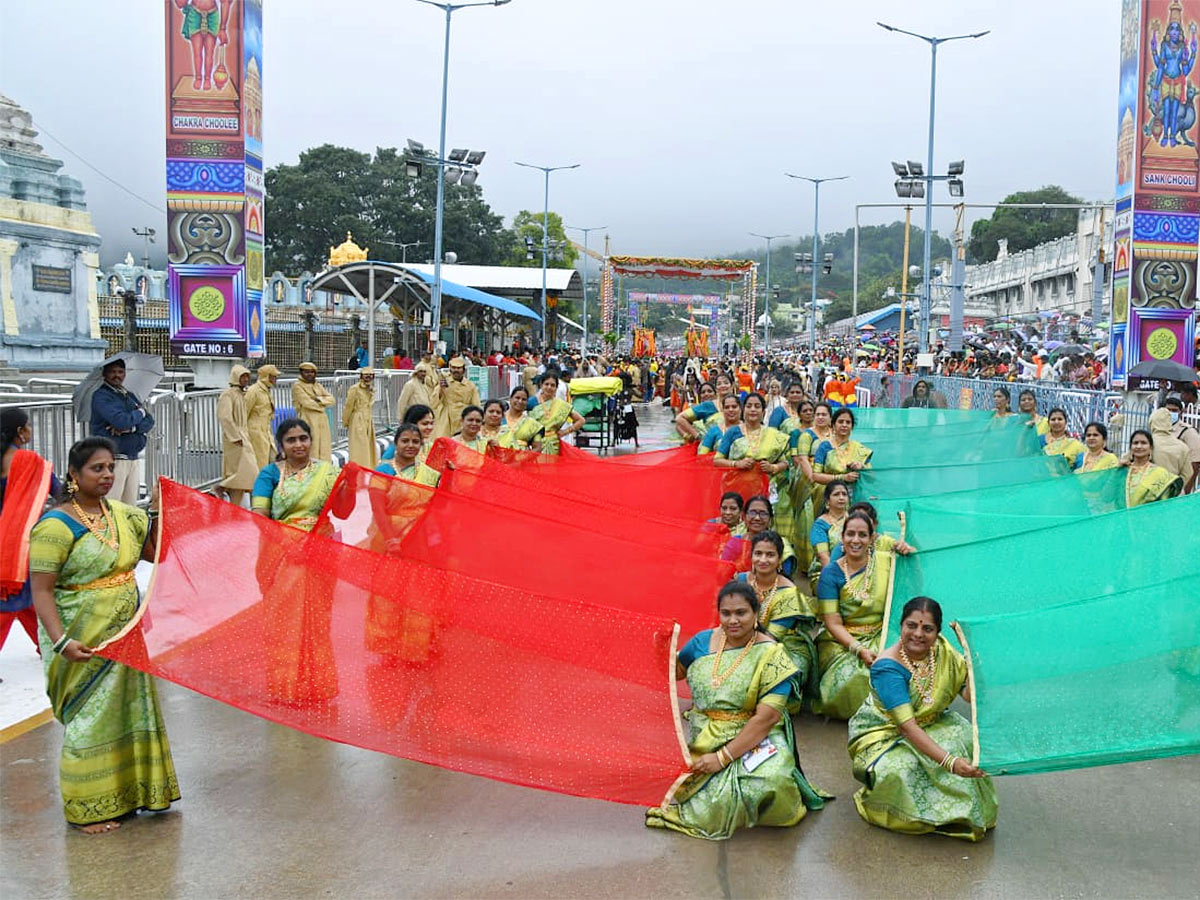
(54, 427)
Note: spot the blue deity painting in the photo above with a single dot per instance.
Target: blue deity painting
(1170, 98)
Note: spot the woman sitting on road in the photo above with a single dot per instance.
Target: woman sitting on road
(840, 457)
(826, 533)
(759, 517)
(731, 513)
(744, 765)
(909, 749)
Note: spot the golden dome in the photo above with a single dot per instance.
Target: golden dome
(346, 252)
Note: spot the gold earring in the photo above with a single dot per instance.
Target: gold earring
(72, 485)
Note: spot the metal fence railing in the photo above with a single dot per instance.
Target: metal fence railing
(185, 443)
(1122, 413)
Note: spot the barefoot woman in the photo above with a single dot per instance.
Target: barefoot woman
(115, 756)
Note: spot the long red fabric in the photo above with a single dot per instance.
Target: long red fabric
(24, 496)
(397, 656)
(690, 490)
(555, 553)
(674, 456)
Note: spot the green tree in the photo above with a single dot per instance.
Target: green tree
(332, 190)
(528, 224)
(1023, 228)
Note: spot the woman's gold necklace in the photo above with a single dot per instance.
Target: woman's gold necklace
(1131, 482)
(922, 672)
(296, 473)
(753, 438)
(101, 525)
(719, 679)
(766, 597)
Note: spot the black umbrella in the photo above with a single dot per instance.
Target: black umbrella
(1163, 370)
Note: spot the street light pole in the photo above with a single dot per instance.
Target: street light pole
(586, 232)
(439, 215)
(546, 170)
(816, 260)
(767, 297)
(926, 296)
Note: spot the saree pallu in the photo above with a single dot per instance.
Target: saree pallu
(845, 680)
(1105, 460)
(115, 755)
(905, 790)
(832, 540)
(301, 668)
(1067, 447)
(774, 447)
(549, 416)
(776, 792)
(1150, 485)
(296, 500)
(518, 436)
(791, 618)
(807, 443)
(829, 459)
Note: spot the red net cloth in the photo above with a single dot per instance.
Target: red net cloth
(556, 552)
(688, 490)
(395, 656)
(673, 456)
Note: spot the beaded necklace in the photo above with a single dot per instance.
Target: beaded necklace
(720, 679)
(100, 525)
(922, 672)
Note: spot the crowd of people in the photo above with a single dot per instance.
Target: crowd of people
(800, 630)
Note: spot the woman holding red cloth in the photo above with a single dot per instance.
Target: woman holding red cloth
(25, 483)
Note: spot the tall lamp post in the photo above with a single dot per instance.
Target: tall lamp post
(923, 345)
(812, 321)
(436, 298)
(586, 232)
(767, 301)
(546, 170)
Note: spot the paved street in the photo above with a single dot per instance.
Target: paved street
(268, 812)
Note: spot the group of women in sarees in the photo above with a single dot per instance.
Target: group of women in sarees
(802, 630)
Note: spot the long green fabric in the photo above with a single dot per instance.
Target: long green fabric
(881, 431)
(876, 484)
(1021, 573)
(880, 417)
(1113, 678)
(1002, 439)
(962, 517)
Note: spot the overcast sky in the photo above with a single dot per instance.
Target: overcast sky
(683, 113)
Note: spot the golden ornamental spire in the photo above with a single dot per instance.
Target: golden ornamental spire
(346, 252)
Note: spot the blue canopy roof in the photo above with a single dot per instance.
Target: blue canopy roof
(472, 295)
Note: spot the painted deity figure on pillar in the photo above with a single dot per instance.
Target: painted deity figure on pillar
(206, 26)
(1173, 59)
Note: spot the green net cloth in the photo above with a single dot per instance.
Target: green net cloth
(1026, 572)
(878, 417)
(943, 520)
(870, 435)
(876, 484)
(1110, 679)
(999, 439)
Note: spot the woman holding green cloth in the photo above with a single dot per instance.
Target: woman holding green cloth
(840, 457)
(785, 613)
(852, 594)
(82, 555)
(744, 766)
(1144, 481)
(1057, 441)
(909, 749)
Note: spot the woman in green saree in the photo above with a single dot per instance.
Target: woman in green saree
(753, 444)
(785, 613)
(472, 423)
(298, 610)
(693, 423)
(294, 489)
(840, 458)
(909, 749)
(115, 756)
(518, 431)
(744, 766)
(1057, 442)
(807, 495)
(407, 462)
(1144, 481)
(556, 418)
(1097, 456)
(731, 415)
(852, 594)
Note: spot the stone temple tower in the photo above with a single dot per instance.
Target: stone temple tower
(49, 318)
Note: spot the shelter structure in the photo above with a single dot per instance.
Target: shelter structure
(407, 291)
(729, 270)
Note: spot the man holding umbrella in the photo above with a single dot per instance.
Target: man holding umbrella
(118, 414)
